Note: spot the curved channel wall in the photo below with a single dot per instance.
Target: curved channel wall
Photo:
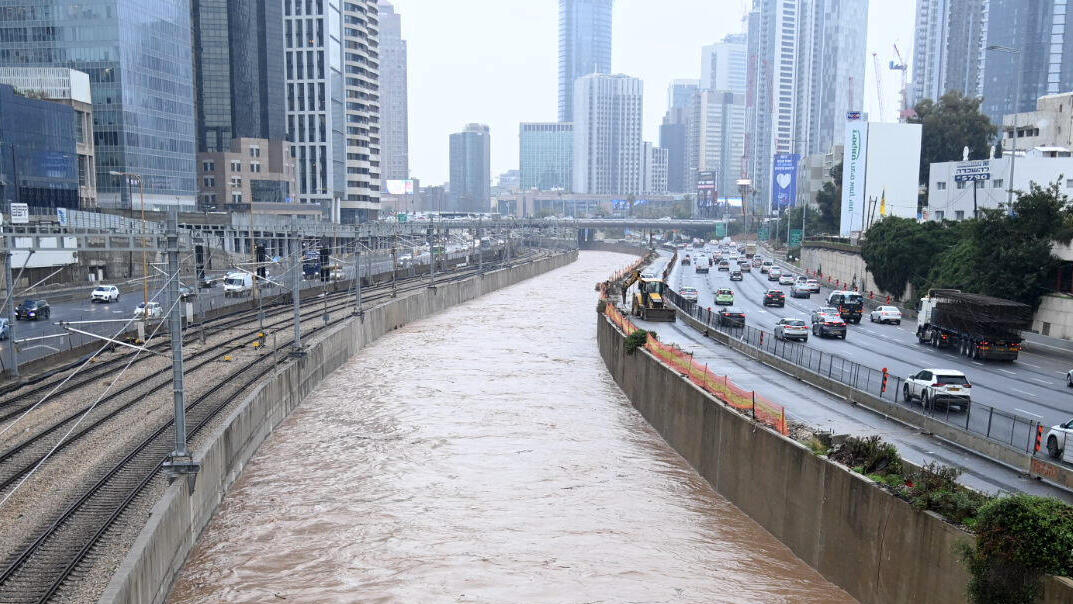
(176, 520)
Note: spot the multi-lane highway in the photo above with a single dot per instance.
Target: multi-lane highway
(1033, 386)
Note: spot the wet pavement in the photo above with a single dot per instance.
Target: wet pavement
(485, 455)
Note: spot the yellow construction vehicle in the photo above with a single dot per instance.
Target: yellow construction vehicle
(648, 302)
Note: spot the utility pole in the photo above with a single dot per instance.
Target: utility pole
(357, 273)
(395, 263)
(180, 461)
(9, 282)
(480, 248)
(430, 238)
(296, 296)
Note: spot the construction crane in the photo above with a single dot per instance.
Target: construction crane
(906, 111)
(879, 85)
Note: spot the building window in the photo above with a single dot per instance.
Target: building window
(978, 184)
(255, 167)
(236, 181)
(940, 185)
(996, 184)
(1069, 183)
(959, 215)
(236, 197)
(255, 151)
(236, 166)
(208, 166)
(209, 181)
(939, 214)
(961, 185)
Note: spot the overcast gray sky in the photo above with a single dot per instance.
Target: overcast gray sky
(496, 62)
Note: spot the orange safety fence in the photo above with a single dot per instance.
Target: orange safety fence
(763, 410)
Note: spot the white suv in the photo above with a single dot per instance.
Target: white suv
(105, 293)
(938, 386)
(791, 329)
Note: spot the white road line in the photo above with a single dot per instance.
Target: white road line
(1007, 371)
(1043, 381)
(975, 363)
(1021, 391)
(1031, 365)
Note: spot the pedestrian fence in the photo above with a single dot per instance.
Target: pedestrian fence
(995, 424)
(720, 386)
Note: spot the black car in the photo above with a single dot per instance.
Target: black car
(827, 322)
(774, 297)
(732, 317)
(33, 310)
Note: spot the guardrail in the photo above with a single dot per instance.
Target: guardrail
(983, 420)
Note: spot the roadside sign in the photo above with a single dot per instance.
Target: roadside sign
(20, 213)
(764, 234)
(795, 238)
(720, 230)
(401, 217)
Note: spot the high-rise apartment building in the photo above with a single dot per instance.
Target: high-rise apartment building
(546, 155)
(313, 68)
(673, 132)
(607, 134)
(361, 63)
(831, 68)
(947, 46)
(394, 107)
(584, 46)
(717, 138)
(471, 169)
(238, 71)
(723, 64)
(394, 117)
(142, 85)
(1042, 33)
(654, 164)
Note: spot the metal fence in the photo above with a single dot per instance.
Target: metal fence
(983, 420)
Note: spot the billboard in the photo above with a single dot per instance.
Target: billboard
(399, 187)
(784, 181)
(706, 193)
(972, 170)
(853, 174)
(892, 171)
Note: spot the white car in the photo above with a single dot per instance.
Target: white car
(813, 285)
(791, 329)
(1056, 440)
(154, 312)
(773, 274)
(105, 293)
(786, 279)
(938, 386)
(689, 293)
(800, 290)
(886, 314)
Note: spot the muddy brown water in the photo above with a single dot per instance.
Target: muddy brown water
(485, 455)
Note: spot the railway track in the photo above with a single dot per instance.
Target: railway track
(49, 562)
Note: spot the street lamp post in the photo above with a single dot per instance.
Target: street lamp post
(1016, 110)
(145, 257)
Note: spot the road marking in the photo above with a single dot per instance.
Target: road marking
(1043, 381)
(975, 363)
(1007, 371)
(1021, 391)
(1031, 365)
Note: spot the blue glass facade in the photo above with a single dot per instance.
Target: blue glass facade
(584, 46)
(38, 163)
(138, 57)
(546, 156)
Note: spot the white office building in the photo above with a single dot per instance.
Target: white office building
(607, 134)
(951, 184)
(654, 179)
(361, 66)
(717, 138)
(723, 64)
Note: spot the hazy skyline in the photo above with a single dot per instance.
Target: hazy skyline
(496, 62)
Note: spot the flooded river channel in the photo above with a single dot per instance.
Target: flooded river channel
(485, 455)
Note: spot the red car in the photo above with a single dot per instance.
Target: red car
(774, 297)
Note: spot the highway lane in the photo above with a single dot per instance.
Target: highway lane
(1032, 387)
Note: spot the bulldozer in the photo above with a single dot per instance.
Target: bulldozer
(648, 302)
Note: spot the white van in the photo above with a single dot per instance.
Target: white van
(238, 284)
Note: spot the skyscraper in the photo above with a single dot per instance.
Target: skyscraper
(654, 167)
(1040, 32)
(584, 46)
(394, 119)
(947, 45)
(471, 169)
(673, 133)
(722, 65)
(361, 62)
(313, 62)
(238, 71)
(138, 57)
(831, 67)
(546, 153)
(717, 138)
(607, 134)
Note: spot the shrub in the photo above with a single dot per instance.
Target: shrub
(601, 304)
(871, 454)
(1019, 540)
(637, 340)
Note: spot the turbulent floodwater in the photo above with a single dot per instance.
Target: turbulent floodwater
(484, 455)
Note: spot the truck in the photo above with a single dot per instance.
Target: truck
(977, 326)
(750, 250)
(238, 284)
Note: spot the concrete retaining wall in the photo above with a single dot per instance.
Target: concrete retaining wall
(844, 266)
(1054, 317)
(150, 568)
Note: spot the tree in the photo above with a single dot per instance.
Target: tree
(900, 251)
(950, 125)
(829, 205)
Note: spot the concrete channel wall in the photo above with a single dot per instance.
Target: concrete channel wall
(868, 542)
(177, 519)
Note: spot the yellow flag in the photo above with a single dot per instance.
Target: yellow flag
(883, 203)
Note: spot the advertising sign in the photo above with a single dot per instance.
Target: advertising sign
(706, 194)
(400, 187)
(972, 170)
(784, 181)
(20, 213)
(853, 177)
(61, 216)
